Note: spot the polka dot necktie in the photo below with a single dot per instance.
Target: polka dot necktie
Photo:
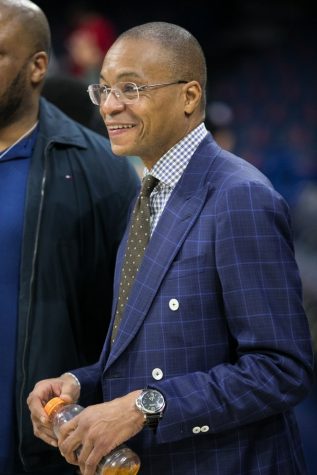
(138, 239)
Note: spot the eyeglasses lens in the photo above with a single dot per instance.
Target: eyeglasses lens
(125, 92)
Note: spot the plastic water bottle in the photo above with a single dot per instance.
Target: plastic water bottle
(121, 461)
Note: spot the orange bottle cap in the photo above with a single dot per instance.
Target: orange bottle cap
(53, 404)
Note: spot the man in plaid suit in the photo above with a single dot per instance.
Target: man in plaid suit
(213, 342)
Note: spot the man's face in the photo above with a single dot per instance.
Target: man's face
(152, 125)
(14, 77)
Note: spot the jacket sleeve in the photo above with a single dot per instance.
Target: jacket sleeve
(271, 366)
(89, 378)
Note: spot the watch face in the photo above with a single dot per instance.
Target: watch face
(152, 401)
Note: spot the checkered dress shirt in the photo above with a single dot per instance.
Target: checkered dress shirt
(170, 168)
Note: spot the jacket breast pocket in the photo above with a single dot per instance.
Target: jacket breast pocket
(189, 291)
(181, 269)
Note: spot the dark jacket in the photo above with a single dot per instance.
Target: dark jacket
(77, 200)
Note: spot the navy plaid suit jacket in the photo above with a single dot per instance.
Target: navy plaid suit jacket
(233, 355)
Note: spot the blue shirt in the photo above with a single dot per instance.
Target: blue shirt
(14, 167)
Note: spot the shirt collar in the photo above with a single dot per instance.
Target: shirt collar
(172, 164)
(23, 149)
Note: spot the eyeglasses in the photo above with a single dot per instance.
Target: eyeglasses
(125, 92)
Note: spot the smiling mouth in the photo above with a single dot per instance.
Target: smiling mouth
(119, 127)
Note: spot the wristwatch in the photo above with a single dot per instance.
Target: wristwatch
(151, 403)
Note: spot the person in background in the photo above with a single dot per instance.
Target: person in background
(209, 352)
(90, 37)
(64, 202)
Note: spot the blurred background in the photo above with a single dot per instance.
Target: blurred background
(262, 100)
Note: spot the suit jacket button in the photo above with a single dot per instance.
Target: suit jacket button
(196, 430)
(157, 374)
(204, 428)
(173, 304)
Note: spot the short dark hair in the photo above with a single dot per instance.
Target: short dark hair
(187, 59)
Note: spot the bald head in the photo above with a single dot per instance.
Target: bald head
(184, 56)
(31, 21)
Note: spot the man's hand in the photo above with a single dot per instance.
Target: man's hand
(66, 387)
(99, 429)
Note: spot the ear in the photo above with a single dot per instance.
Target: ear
(193, 96)
(39, 65)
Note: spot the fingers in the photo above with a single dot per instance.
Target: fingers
(42, 428)
(70, 390)
(42, 392)
(90, 466)
(78, 447)
(88, 458)
(45, 433)
(69, 443)
(69, 430)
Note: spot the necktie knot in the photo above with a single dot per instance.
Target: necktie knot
(148, 184)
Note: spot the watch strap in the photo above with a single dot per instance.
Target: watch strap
(152, 420)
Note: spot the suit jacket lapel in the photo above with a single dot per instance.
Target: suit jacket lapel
(180, 213)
